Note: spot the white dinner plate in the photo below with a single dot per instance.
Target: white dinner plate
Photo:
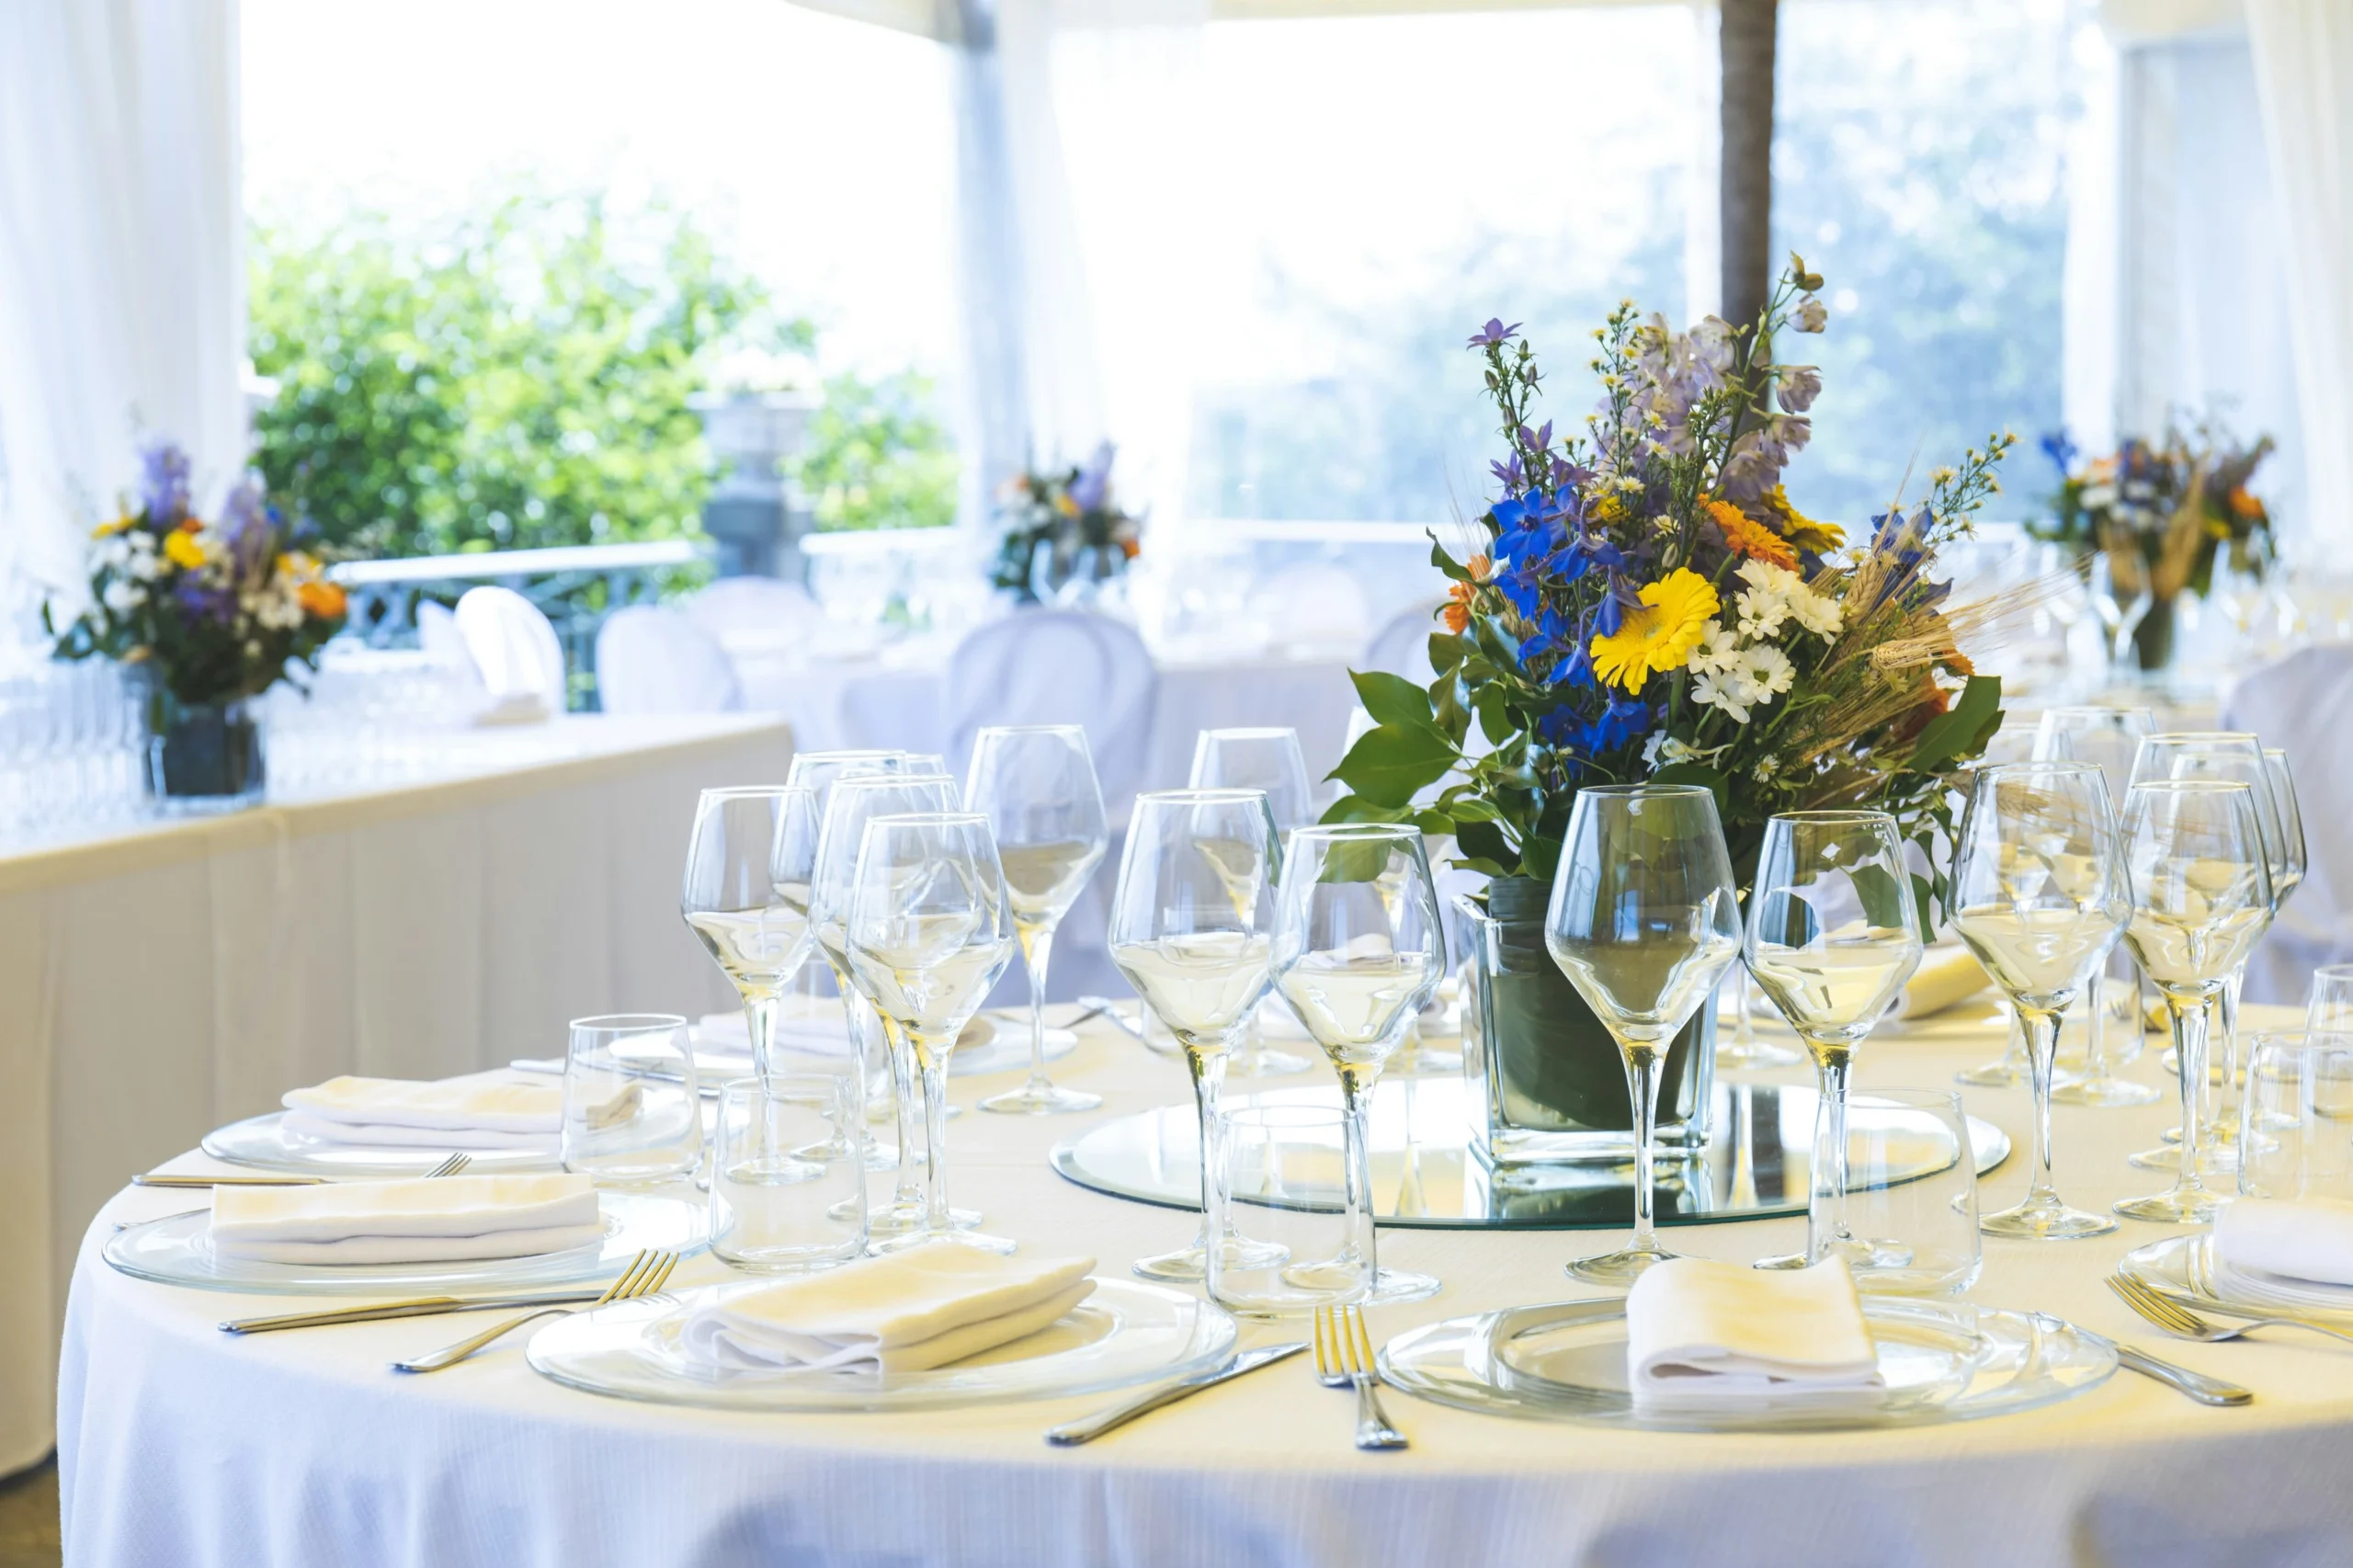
(1127, 1332)
(264, 1143)
(178, 1251)
(2187, 1269)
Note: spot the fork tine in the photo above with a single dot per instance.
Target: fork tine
(662, 1277)
(615, 1289)
(1359, 1342)
(1325, 1362)
(2164, 1310)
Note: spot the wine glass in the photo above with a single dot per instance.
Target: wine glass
(1644, 921)
(2038, 887)
(1833, 934)
(1036, 785)
(1267, 761)
(854, 801)
(2330, 1008)
(1192, 923)
(2111, 738)
(2202, 899)
(747, 896)
(1359, 948)
(928, 930)
(2295, 858)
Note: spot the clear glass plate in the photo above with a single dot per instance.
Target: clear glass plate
(2187, 1269)
(1127, 1332)
(264, 1143)
(178, 1251)
(1943, 1361)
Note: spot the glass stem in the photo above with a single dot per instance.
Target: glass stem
(1356, 1103)
(759, 1021)
(1826, 1215)
(2222, 1051)
(935, 1110)
(2095, 1021)
(2188, 1020)
(1037, 947)
(1207, 1062)
(1644, 1063)
(907, 1194)
(2042, 1051)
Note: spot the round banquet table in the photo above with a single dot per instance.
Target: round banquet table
(178, 1444)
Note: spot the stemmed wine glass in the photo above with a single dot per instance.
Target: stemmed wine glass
(2201, 898)
(2040, 895)
(1192, 926)
(745, 896)
(1036, 784)
(854, 801)
(2111, 738)
(1644, 921)
(928, 930)
(1267, 761)
(1833, 935)
(1359, 948)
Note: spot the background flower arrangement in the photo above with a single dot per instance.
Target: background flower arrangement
(1063, 525)
(1647, 603)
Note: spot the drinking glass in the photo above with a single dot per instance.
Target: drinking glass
(787, 1191)
(1284, 1184)
(2202, 899)
(855, 800)
(1914, 1202)
(928, 929)
(631, 1110)
(1833, 935)
(2109, 737)
(2295, 855)
(747, 896)
(1644, 921)
(2330, 1010)
(1359, 948)
(1192, 923)
(1744, 1050)
(1036, 784)
(2296, 1118)
(1267, 761)
(2040, 891)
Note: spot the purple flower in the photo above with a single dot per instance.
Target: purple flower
(163, 483)
(1797, 387)
(1494, 335)
(1810, 316)
(1093, 485)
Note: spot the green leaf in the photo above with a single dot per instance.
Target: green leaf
(1963, 731)
(1881, 893)
(1703, 775)
(1924, 899)
(1391, 699)
(1447, 651)
(1356, 808)
(1437, 824)
(1479, 864)
(1495, 715)
(1390, 765)
(1454, 719)
(1469, 808)
(1485, 841)
(1455, 570)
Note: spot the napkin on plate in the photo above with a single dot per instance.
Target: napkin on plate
(441, 1220)
(2303, 1238)
(904, 1312)
(481, 1110)
(1948, 974)
(1707, 1336)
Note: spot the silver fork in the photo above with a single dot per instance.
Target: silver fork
(646, 1273)
(2182, 1323)
(449, 1167)
(1344, 1359)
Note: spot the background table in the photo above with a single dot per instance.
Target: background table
(159, 983)
(179, 1444)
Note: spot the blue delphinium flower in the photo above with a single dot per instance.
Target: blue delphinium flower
(1493, 334)
(163, 482)
(2061, 450)
(1093, 485)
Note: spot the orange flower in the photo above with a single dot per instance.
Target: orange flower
(1458, 606)
(1754, 539)
(1132, 548)
(2244, 504)
(190, 525)
(1479, 567)
(320, 601)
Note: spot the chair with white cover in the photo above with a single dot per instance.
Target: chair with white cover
(1402, 646)
(1312, 607)
(754, 606)
(655, 660)
(514, 647)
(2303, 704)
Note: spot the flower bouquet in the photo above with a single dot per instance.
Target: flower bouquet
(1644, 602)
(209, 616)
(1063, 529)
(2161, 515)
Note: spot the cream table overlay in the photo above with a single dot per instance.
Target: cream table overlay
(178, 1444)
(157, 984)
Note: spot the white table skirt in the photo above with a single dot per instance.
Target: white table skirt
(179, 1445)
(155, 985)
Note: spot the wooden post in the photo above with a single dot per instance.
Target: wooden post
(1745, 44)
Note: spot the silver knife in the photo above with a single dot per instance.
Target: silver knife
(421, 1306)
(1093, 1426)
(2197, 1385)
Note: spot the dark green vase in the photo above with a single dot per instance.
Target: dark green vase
(2153, 638)
(1547, 1080)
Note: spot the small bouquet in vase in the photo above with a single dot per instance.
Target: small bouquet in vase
(1063, 529)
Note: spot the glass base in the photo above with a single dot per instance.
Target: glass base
(907, 1218)
(2211, 1160)
(1395, 1285)
(1040, 1099)
(2195, 1207)
(1992, 1076)
(1756, 1056)
(1429, 1064)
(2045, 1219)
(1262, 1062)
(2105, 1093)
(1865, 1257)
(975, 1239)
(1621, 1267)
(1189, 1265)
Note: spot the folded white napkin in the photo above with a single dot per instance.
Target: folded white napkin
(1702, 1334)
(2305, 1238)
(481, 1110)
(904, 1312)
(440, 1220)
(1948, 974)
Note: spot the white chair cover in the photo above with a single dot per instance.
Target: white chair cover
(2303, 705)
(1314, 606)
(439, 640)
(1403, 647)
(515, 649)
(763, 606)
(651, 660)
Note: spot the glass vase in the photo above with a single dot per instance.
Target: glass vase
(204, 756)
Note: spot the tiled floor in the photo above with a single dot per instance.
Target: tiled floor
(29, 1520)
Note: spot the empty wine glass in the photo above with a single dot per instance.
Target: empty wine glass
(745, 896)
(1192, 923)
(2330, 1009)
(2201, 898)
(1359, 948)
(1267, 761)
(1036, 784)
(1833, 934)
(2039, 896)
(2295, 855)
(928, 930)
(2109, 737)
(1644, 921)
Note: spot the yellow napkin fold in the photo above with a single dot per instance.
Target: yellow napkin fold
(1948, 974)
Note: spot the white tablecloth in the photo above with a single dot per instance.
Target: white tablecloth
(160, 983)
(179, 1445)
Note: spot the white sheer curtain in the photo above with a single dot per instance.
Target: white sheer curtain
(122, 300)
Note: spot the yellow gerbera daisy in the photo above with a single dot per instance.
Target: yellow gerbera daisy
(1801, 530)
(1659, 636)
(183, 549)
